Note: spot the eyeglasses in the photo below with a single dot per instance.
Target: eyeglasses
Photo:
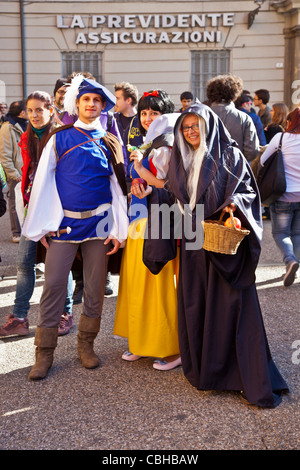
(194, 128)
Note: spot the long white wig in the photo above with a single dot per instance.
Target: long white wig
(192, 159)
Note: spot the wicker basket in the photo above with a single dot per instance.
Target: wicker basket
(221, 239)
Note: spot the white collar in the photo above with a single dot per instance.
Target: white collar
(95, 125)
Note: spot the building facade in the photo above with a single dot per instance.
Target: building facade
(176, 46)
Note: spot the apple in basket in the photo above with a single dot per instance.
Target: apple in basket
(139, 181)
(237, 222)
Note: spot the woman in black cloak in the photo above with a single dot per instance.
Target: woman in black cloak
(222, 339)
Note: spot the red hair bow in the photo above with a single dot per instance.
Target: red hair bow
(153, 93)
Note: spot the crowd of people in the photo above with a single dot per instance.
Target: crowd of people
(82, 182)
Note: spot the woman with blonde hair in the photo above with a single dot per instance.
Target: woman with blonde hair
(279, 114)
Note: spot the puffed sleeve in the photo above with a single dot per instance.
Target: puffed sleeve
(45, 211)
(119, 229)
(160, 159)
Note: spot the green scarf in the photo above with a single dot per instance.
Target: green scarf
(39, 132)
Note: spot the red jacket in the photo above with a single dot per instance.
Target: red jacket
(26, 163)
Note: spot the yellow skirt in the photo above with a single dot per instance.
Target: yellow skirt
(146, 311)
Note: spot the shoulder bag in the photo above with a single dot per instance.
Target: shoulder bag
(271, 177)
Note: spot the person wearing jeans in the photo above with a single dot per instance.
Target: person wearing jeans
(285, 219)
(17, 323)
(40, 112)
(285, 212)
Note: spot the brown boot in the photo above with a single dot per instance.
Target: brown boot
(46, 341)
(88, 329)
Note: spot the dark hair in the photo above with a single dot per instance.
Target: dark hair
(34, 145)
(263, 95)
(129, 91)
(158, 100)
(59, 83)
(224, 88)
(293, 121)
(242, 99)
(186, 95)
(17, 107)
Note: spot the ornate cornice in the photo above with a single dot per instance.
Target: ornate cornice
(285, 6)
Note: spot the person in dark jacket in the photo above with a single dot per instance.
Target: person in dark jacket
(244, 103)
(223, 344)
(261, 99)
(222, 91)
(127, 119)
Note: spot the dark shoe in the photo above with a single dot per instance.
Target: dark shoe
(244, 398)
(266, 213)
(108, 285)
(65, 324)
(78, 293)
(14, 326)
(290, 274)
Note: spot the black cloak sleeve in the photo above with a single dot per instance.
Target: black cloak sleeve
(158, 251)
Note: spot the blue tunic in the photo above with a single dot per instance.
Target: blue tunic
(82, 179)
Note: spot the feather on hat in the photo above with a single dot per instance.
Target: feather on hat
(80, 86)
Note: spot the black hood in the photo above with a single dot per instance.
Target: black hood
(215, 128)
(218, 141)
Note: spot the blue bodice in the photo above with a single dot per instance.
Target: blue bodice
(82, 179)
(138, 207)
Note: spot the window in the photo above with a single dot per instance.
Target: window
(82, 62)
(206, 65)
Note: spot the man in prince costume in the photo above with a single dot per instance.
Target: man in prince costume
(78, 198)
